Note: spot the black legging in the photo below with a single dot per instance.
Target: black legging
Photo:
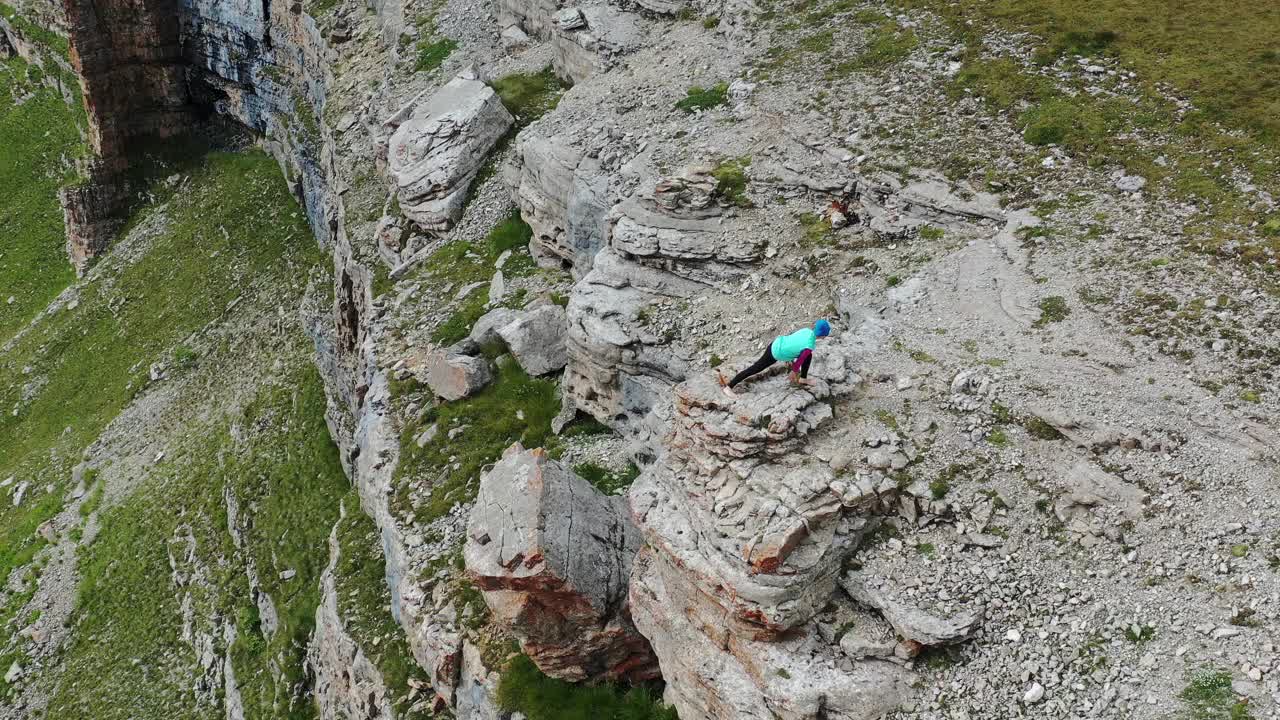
(763, 364)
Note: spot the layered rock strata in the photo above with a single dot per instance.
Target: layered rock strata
(553, 558)
(587, 39)
(746, 537)
(438, 147)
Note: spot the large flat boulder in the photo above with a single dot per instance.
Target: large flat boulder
(437, 149)
(553, 556)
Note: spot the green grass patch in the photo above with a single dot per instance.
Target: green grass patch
(276, 459)
(364, 603)
(704, 98)
(35, 138)
(732, 182)
(607, 480)
(234, 217)
(529, 96)
(1052, 309)
(433, 53)
(35, 33)
(514, 408)
(525, 689)
(887, 43)
(464, 263)
(1208, 696)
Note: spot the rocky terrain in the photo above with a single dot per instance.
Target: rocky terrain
(428, 423)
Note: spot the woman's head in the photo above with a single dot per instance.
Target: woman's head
(822, 328)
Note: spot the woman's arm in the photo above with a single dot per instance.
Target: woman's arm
(800, 368)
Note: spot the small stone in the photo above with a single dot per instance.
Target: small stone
(15, 672)
(1034, 694)
(1131, 183)
(288, 574)
(1013, 636)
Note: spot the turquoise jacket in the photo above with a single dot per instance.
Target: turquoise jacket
(788, 347)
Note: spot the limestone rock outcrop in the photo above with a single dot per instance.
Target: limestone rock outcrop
(586, 39)
(916, 628)
(620, 368)
(347, 683)
(664, 244)
(438, 147)
(453, 375)
(745, 536)
(535, 337)
(553, 556)
(564, 196)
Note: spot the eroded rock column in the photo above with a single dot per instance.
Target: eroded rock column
(553, 557)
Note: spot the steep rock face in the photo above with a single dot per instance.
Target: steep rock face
(347, 684)
(746, 536)
(586, 39)
(553, 557)
(620, 368)
(438, 147)
(564, 195)
(666, 243)
(128, 57)
(422, 609)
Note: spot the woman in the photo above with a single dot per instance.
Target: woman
(796, 348)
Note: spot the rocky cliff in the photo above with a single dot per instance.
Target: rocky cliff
(560, 226)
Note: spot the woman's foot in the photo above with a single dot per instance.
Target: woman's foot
(728, 391)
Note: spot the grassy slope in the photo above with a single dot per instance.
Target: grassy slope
(1224, 57)
(232, 243)
(287, 481)
(35, 137)
(74, 371)
(1224, 60)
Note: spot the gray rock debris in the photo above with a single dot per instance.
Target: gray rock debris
(553, 557)
(917, 628)
(438, 147)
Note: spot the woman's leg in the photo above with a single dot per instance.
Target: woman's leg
(758, 367)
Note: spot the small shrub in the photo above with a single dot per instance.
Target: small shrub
(711, 22)
(715, 361)
(510, 234)
(893, 281)
(184, 355)
(606, 480)
(929, 232)
(1239, 550)
(1251, 396)
(926, 549)
(1052, 309)
(939, 488)
(1139, 634)
(998, 438)
(1209, 696)
(432, 55)
(731, 181)
(1040, 429)
(700, 98)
